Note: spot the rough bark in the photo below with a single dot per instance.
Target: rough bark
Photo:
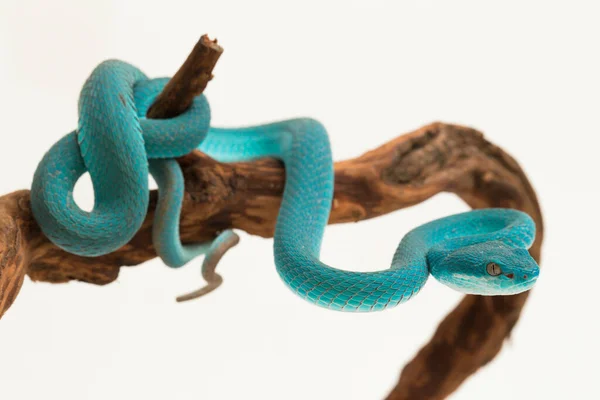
(189, 81)
(403, 172)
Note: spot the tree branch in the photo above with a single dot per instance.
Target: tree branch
(403, 172)
(188, 82)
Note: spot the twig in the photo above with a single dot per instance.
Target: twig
(188, 82)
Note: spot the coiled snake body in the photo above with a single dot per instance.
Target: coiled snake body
(478, 252)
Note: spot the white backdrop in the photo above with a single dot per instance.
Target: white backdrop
(526, 73)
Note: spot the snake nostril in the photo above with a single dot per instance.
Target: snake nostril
(524, 276)
(510, 276)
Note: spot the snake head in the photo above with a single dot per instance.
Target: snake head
(489, 268)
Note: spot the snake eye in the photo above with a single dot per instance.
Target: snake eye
(493, 269)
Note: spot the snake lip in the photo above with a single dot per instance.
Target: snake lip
(528, 283)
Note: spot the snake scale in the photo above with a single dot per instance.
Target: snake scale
(477, 252)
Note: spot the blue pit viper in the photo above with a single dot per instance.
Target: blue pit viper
(477, 252)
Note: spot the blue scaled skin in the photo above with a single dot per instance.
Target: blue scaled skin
(478, 252)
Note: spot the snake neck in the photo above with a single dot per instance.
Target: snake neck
(304, 148)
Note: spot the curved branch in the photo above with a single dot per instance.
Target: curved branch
(403, 172)
(406, 171)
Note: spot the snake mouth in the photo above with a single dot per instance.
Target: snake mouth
(525, 285)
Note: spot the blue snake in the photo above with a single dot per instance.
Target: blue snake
(477, 252)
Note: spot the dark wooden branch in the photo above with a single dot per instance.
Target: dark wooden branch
(188, 82)
(403, 172)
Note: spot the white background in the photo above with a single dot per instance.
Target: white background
(526, 73)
